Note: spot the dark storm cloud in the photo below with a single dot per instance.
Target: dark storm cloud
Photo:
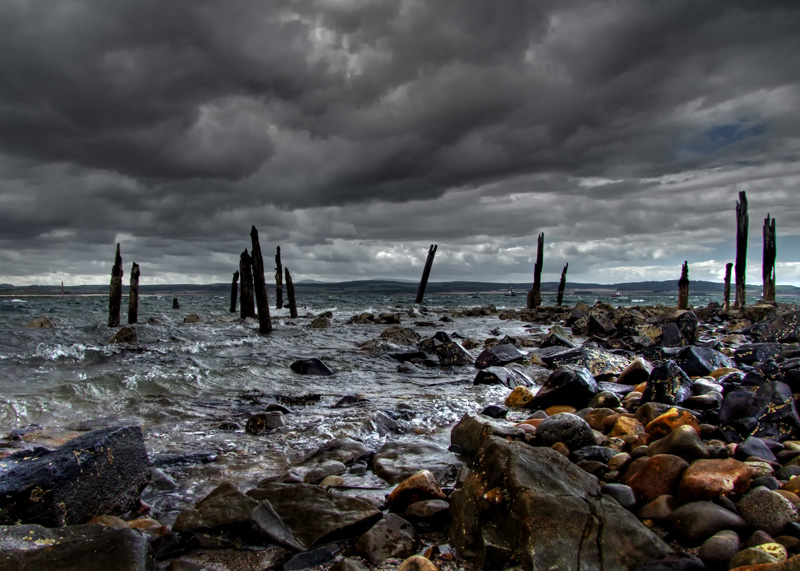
(357, 131)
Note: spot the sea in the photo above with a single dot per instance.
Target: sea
(192, 386)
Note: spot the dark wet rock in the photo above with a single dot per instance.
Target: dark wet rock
(324, 469)
(568, 385)
(688, 323)
(264, 421)
(700, 361)
(749, 353)
(397, 460)
(311, 367)
(230, 514)
(605, 399)
(671, 336)
(718, 549)
(565, 427)
(101, 472)
(668, 384)
(347, 564)
(348, 401)
(683, 441)
(495, 411)
(126, 335)
(697, 521)
(41, 323)
(767, 510)
(535, 504)
(388, 318)
(415, 488)
(555, 339)
(754, 446)
(499, 355)
(321, 322)
(601, 326)
(779, 420)
(638, 371)
(673, 562)
(409, 356)
(84, 547)
(391, 537)
(595, 453)
(193, 318)
(364, 318)
(598, 361)
(510, 377)
(784, 329)
(452, 354)
(315, 516)
(312, 558)
(400, 335)
(472, 431)
(622, 493)
(345, 450)
(710, 479)
(184, 458)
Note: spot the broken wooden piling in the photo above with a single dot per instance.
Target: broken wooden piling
(426, 272)
(247, 305)
(742, 222)
(768, 259)
(278, 279)
(234, 290)
(115, 291)
(562, 284)
(259, 284)
(535, 295)
(133, 297)
(726, 304)
(683, 287)
(290, 294)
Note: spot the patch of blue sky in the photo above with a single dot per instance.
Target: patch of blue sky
(720, 136)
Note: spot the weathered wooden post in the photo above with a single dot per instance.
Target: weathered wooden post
(683, 287)
(247, 305)
(535, 295)
(562, 284)
(278, 279)
(742, 222)
(133, 297)
(423, 283)
(115, 291)
(290, 294)
(768, 259)
(726, 305)
(260, 285)
(234, 290)
(175, 303)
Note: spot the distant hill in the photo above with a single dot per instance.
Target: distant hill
(391, 286)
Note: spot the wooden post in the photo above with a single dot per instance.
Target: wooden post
(234, 290)
(133, 297)
(423, 283)
(260, 285)
(115, 291)
(562, 284)
(175, 303)
(247, 305)
(726, 305)
(290, 294)
(535, 295)
(768, 259)
(742, 222)
(683, 287)
(278, 279)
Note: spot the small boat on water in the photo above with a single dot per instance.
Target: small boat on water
(510, 292)
(616, 294)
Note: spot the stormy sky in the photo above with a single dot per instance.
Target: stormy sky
(355, 133)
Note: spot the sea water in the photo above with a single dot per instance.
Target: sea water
(183, 382)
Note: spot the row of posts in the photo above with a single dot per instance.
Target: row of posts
(254, 291)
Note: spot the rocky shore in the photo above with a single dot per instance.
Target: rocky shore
(633, 438)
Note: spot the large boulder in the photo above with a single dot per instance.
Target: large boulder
(101, 472)
(532, 507)
(315, 516)
(598, 361)
(74, 548)
(700, 361)
(510, 377)
(311, 366)
(784, 329)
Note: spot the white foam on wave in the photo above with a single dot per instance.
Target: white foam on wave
(75, 351)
